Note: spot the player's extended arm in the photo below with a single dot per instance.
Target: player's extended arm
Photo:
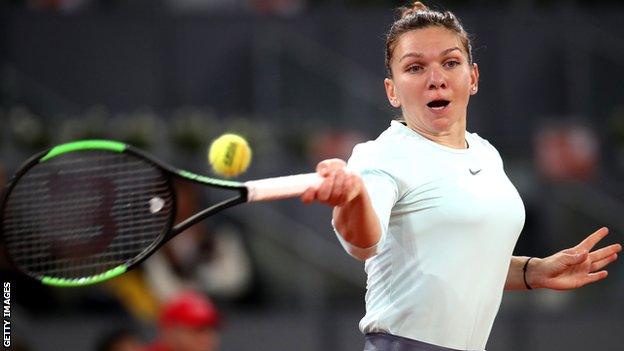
(567, 269)
(354, 217)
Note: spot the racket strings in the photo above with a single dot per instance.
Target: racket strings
(95, 212)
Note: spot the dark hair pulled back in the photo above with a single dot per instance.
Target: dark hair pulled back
(419, 16)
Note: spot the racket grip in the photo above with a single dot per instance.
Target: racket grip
(281, 187)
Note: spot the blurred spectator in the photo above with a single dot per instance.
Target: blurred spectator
(119, 340)
(134, 294)
(567, 153)
(189, 322)
(333, 144)
(214, 261)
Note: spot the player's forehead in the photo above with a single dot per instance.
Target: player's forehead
(426, 42)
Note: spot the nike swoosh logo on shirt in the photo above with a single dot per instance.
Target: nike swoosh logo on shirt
(474, 172)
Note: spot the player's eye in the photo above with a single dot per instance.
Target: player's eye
(451, 64)
(413, 69)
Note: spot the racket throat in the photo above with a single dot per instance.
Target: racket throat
(198, 217)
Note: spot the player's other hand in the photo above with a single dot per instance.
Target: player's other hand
(340, 185)
(574, 267)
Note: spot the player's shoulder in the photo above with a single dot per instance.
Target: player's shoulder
(477, 140)
(368, 154)
(383, 150)
(484, 147)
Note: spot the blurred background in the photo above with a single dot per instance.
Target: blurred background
(303, 81)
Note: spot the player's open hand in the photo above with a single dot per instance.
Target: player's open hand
(574, 267)
(339, 187)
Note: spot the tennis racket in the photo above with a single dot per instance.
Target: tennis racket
(87, 211)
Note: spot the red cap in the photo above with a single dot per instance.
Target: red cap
(191, 310)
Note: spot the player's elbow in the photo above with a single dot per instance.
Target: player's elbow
(361, 250)
(362, 253)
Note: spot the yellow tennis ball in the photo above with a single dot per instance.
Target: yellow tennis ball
(229, 155)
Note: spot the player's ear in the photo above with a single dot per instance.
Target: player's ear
(391, 93)
(474, 79)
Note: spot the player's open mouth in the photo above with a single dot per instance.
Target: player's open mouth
(438, 105)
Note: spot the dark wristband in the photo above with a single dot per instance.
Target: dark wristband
(524, 269)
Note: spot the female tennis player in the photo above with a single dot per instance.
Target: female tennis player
(430, 209)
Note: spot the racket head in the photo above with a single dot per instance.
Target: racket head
(84, 212)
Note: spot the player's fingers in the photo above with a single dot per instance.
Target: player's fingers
(324, 167)
(603, 262)
(593, 239)
(308, 195)
(337, 195)
(605, 252)
(594, 277)
(325, 189)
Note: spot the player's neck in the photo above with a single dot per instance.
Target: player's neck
(454, 137)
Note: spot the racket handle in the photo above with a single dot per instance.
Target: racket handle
(281, 187)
